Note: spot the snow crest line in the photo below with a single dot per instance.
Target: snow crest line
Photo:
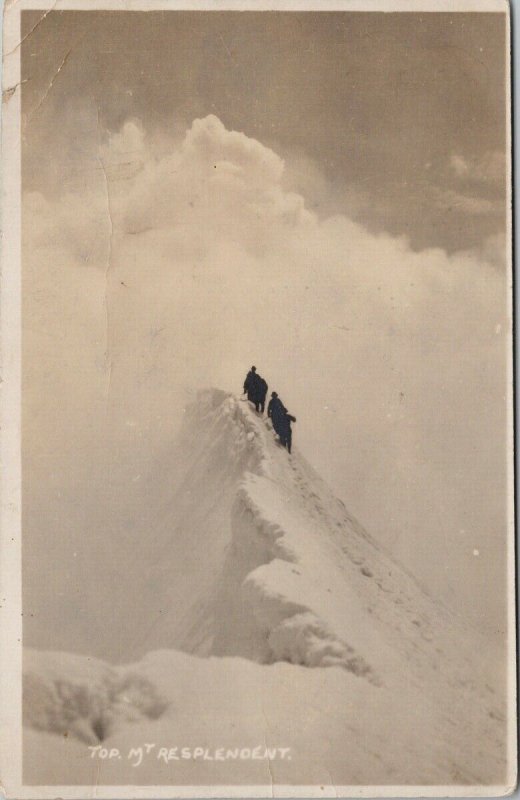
(261, 610)
(290, 629)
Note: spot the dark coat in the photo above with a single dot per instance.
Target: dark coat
(285, 424)
(251, 386)
(262, 389)
(277, 412)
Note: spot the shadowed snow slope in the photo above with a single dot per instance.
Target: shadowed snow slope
(253, 562)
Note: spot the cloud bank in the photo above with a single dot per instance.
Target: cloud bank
(182, 260)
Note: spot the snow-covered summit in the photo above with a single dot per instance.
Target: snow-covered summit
(277, 568)
(275, 618)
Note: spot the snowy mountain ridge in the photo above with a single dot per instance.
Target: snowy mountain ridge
(300, 575)
(256, 605)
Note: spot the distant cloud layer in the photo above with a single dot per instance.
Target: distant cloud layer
(489, 168)
(451, 200)
(186, 258)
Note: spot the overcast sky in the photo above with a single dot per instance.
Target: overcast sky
(322, 195)
(403, 114)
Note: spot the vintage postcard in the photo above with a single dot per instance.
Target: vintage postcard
(257, 521)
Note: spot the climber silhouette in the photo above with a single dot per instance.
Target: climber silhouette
(256, 389)
(262, 387)
(281, 420)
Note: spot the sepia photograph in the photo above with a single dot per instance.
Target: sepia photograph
(257, 405)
